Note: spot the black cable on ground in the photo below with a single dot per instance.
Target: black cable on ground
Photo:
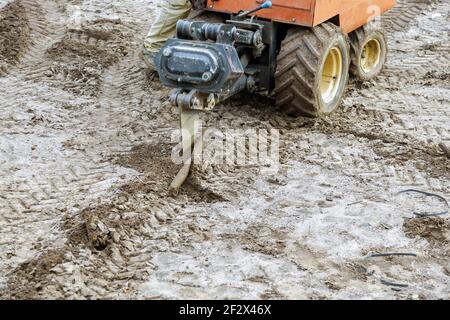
(389, 254)
(428, 194)
(375, 255)
(393, 284)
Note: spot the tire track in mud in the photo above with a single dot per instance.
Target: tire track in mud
(130, 127)
(388, 157)
(120, 87)
(405, 12)
(14, 34)
(415, 65)
(45, 28)
(387, 153)
(27, 204)
(131, 226)
(38, 201)
(402, 17)
(35, 55)
(82, 57)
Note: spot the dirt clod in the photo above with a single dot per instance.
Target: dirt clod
(433, 229)
(98, 232)
(31, 277)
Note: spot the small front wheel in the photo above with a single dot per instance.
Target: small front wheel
(368, 52)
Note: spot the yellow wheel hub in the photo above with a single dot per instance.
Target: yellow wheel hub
(331, 75)
(371, 55)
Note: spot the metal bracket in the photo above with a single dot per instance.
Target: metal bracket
(193, 100)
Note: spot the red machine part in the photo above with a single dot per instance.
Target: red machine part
(350, 14)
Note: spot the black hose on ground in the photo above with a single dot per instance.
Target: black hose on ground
(428, 194)
(375, 255)
(390, 283)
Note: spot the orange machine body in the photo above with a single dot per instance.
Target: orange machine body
(351, 14)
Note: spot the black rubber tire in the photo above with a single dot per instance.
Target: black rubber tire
(358, 39)
(299, 70)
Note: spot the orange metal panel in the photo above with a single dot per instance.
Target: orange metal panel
(299, 12)
(352, 13)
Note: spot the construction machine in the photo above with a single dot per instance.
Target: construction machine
(300, 51)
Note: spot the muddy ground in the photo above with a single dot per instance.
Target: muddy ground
(85, 145)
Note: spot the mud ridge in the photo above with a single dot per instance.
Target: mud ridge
(31, 277)
(434, 229)
(14, 34)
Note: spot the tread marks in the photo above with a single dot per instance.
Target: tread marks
(405, 12)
